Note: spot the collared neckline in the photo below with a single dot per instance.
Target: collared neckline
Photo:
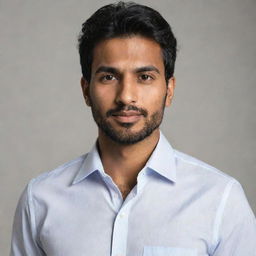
(91, 163)
(161, 161)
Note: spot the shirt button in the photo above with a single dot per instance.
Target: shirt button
(122, 215)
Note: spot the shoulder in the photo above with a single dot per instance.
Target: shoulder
(42, 187)
(225, 190)
(197, 169)
(58, 178)
(204, 179)
(224, 193)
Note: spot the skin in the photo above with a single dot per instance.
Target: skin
(119, 79)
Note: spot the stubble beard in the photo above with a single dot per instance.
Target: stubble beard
(126, 136)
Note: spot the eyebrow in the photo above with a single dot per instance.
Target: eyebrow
(113, 70)
(147, 68)
(106, 69)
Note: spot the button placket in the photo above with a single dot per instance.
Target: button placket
(113, 190)
(120, 230)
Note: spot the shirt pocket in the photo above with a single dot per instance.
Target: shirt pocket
(168, 251)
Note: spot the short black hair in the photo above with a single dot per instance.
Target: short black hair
(124, 19)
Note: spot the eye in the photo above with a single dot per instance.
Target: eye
(107, 78)
(145, 78)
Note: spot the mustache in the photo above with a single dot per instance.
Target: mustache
(127, 108)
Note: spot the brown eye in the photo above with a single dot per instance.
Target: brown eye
(109, 77)
(145, 77)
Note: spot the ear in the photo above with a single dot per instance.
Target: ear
(170, 91)
(85, 89)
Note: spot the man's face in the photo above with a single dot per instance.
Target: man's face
(128, 92)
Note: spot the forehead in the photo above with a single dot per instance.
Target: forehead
(128, 53)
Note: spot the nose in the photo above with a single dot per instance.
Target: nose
(126, 92)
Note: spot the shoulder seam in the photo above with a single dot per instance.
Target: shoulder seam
(61, 167)
(205, 165)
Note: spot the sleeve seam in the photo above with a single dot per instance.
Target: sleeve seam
(30, 207)
(220, 212)
(32, 212)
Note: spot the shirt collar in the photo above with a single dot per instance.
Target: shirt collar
(91, 163)
(161, 161)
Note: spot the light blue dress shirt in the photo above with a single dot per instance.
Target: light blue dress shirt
(179, 207)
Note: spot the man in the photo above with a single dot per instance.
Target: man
(132, 194)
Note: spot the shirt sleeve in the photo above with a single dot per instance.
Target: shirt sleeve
(236, 229)
(24, 232)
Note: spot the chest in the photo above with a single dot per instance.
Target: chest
(145, 224)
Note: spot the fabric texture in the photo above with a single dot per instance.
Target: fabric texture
(180, 206)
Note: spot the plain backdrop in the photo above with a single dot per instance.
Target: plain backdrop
(44, 121)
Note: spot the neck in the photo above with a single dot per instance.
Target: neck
(124, 162)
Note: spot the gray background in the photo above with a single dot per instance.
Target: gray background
(44, 121)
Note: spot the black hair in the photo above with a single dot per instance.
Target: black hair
(124, 19)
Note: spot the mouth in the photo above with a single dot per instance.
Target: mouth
(127, 116)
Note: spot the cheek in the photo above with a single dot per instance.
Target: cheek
(102, 97)
(153, 97)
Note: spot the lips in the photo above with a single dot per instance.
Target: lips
(127, 113)
(127, 116)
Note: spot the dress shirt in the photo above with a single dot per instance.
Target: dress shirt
(180, 206)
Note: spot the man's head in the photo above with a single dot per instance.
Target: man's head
(122, 20)
(127, 54)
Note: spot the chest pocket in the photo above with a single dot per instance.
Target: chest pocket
(168, 251)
